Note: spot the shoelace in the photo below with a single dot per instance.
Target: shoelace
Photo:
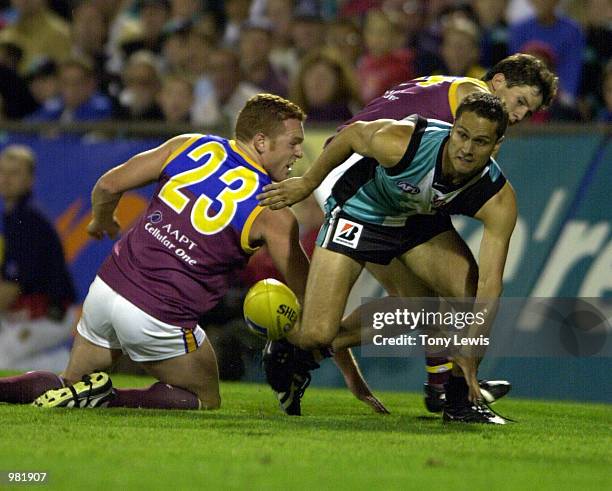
(87, 380)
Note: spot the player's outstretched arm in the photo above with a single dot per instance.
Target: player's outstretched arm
(498, 216)
(355, 382)
(140, 170)
(384, 140)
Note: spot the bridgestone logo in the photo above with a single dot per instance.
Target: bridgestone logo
(347, 233)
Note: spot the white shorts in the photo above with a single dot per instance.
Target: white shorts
(111, 321)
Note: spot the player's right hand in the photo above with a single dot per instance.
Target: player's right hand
(278, 195)
(98, 230)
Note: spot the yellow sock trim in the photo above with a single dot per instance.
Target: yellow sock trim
(440, 368)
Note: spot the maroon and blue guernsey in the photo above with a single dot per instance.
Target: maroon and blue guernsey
(433, 97)
(180, 257)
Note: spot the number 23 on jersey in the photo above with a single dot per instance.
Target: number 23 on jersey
(202, 220)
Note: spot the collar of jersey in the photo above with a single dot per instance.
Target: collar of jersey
(248, 159)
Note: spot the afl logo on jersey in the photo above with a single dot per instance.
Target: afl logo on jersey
(155, 217)
(408, 188)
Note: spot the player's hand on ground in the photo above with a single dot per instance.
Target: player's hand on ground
(281, 194)
(362, 392)
(469, 366)
(98, 230)
(375, 404)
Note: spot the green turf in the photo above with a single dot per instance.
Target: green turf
(339, 444)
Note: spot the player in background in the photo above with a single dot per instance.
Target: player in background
(407, 179)
(201, 226)
(525, 85)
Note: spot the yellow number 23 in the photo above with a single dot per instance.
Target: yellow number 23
(215, 155)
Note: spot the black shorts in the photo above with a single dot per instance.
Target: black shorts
(368, 242)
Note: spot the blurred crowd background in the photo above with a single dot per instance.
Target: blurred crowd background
(198, 61)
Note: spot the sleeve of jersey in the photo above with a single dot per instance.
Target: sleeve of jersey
(469, 201)
(248, 212)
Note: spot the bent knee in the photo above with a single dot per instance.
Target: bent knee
(317, 339)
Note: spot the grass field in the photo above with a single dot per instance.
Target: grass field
(339, 444)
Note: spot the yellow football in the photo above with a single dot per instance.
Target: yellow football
(270, 309)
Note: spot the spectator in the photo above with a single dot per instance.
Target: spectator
(558, 110)
(200, 48)
(597, 18)
(43, 81)
(16, 101)
(460, 50)
(176, 99)
(563, 35)
(153, 16)
(36, 288)
(38, 31)
(210, 25)
(280, 15)
(344, 37)
(175, 56)
(430, 36)
(230, 92)
(307, 34)
(386, 62)
(408, 16)
(141, 85)
(491, 17)
(326, 88)
(122, 25)
(255, 47)
(89, 34)
(79, 99)
(236, 14)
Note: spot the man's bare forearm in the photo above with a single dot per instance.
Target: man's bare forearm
(103, 203)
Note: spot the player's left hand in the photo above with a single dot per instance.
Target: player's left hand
(278, 195)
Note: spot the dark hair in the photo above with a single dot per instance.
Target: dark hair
(265, 113)
(523, 69)
(486, 106)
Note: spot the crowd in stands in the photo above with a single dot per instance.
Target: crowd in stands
(198, 61)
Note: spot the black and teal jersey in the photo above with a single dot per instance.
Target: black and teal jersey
(388, 196)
